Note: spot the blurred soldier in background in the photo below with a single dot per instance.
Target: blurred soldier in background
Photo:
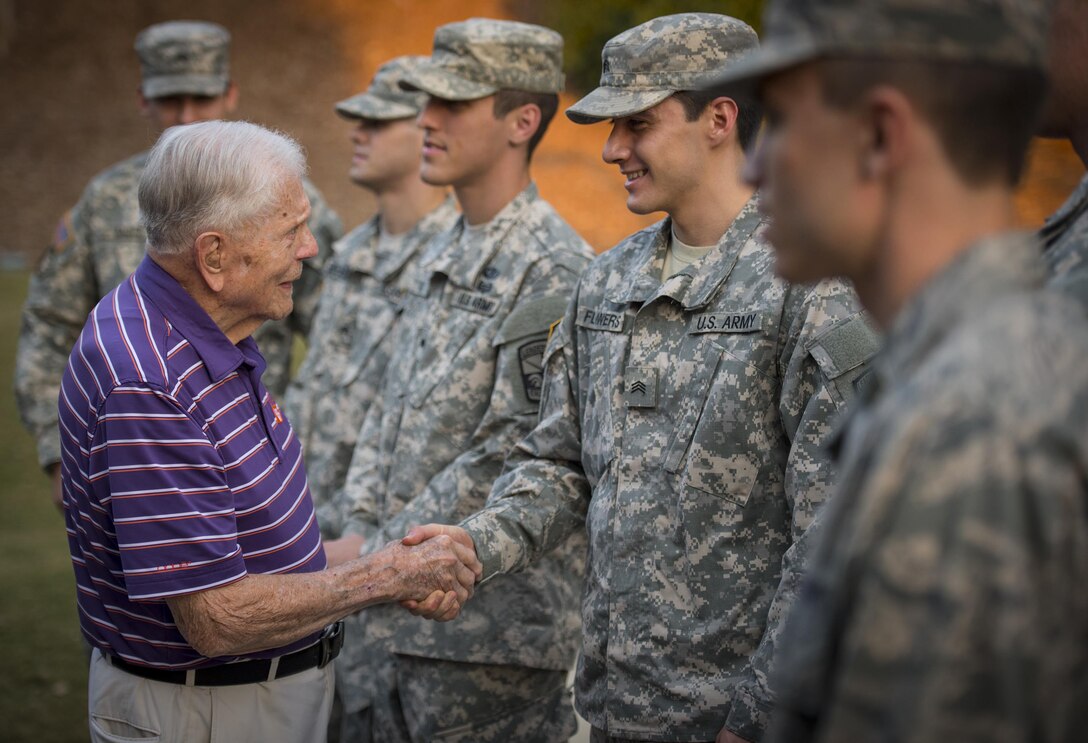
(945, 599)
(1065, 235)
(462, 387)
(687, 395)
(185, 77)
(366, 281)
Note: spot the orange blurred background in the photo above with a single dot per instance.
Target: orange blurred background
(68, 75)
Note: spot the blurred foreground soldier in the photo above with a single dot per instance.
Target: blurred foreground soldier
(1065, 235)
(462, 387)
(184, 69)
(197, 555)
(365, 283)
(687, 393)
(945, 599)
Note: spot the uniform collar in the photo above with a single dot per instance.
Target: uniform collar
(696, 285)
(220, 356)
(1059, 222)
(462, 263)
(385, 264)
(992, 268)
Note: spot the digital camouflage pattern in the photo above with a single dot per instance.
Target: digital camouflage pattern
(682, 426)
(351, 341)
(183, 57)
(385, 100)
(646, 64)
(462, 387)
(1010, 33)
(481, 56)
(1065, 245)
(473, 703)
(97, 244)
(945, 599)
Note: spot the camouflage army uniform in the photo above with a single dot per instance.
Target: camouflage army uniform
(462, 386)
(945, 599)
(682, 423)
(1065, 245)
(97, 244)
(350, 345)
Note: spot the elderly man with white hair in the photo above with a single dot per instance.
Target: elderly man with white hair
(200, 575)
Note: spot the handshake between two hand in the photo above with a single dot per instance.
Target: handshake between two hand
(436, 569)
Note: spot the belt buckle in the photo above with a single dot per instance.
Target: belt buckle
(331, 642)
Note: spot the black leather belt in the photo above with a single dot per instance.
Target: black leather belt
(319, 655)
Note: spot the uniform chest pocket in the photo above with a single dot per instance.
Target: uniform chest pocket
(440, 350)
(371, 326)
(602, 355)
(721, 435)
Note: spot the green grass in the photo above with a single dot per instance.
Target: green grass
(43, 673)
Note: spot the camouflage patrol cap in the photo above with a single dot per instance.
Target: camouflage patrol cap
(1007, 33)
(183, 58)
(648, 63)
(481, 56)
(385, 100)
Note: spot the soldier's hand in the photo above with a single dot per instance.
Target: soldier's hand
(339, 551)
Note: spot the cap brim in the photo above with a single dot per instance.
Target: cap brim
(745, 75)
(167, 85)
(441, 83)
(606, 103)
(368, 106)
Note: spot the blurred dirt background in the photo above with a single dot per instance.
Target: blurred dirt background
(68, 77)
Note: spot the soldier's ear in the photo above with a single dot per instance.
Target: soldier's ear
(721, 114)
(886, 132)
(210, 260)
(230, 97)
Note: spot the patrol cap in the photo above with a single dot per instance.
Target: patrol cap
(184, 58)
(385, 100)
(646, 64)
(481, 56)
(1008, 33)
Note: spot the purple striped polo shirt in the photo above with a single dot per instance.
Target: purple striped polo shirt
(180, 473)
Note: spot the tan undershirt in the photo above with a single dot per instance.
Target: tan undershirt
(681, 255)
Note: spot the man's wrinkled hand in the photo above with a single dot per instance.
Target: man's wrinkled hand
(436, 576)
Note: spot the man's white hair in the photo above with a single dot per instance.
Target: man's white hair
(223, 176)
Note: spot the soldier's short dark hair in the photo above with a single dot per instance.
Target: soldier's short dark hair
(548, 103)
(984, 115)
(749, 112)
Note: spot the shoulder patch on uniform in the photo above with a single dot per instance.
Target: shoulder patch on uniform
(531, 363)
(845, 346)
(530, 318)
(64, 235)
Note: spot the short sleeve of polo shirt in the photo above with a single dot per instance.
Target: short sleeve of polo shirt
(153, 468)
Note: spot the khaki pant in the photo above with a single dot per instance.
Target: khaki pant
(125, 708)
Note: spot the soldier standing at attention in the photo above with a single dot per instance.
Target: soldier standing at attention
(365, 282)
(462, 387)
(687, 395)
(185, 77)
(945, 598)
(1065, 235)
(365, 285)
